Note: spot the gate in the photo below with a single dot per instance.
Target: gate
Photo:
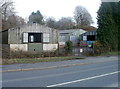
(82, 51)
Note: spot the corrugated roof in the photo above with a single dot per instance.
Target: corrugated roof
(68, 31)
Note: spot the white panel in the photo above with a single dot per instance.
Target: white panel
(46, 37)
(50, 47)
(84, 38)
(62, 43)
(25, 37)
(17, 47)
(31, 38)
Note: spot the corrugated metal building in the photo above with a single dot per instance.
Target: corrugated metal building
(89, 37)
(31, 37)
(72, 35)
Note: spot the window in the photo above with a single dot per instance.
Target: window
(84, 38)
(62, 39)
(46, 37)
(35, 37)
(91, 38)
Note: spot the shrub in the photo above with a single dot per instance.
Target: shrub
(100, 48)
(69, 47)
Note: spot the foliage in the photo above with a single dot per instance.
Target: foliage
(50, 22)
(65, 23)
(61, 24)
(36, 17)
(107, 32)
(6, 54)
(82, 16)
(100, 48)
(69, 47)
(6, 9)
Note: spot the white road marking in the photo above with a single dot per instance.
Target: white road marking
(83, 79)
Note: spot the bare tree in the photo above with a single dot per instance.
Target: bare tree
(82, 16)
(50, 22)
(13, 21)
(6, 9)
(9, 19)
(65, 23)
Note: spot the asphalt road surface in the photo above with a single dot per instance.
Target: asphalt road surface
(103, 74)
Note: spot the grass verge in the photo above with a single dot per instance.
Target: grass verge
(36, 60)
(110, 53)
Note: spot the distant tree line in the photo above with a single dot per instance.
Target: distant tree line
(108, 32)
(81, 19)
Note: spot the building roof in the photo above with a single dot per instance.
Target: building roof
(94, 32)
(69, 31)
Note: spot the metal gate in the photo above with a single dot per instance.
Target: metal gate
(82, 51)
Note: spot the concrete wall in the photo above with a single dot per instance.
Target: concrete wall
(61, 44)
(33, 47)
(50, 47)
(16, 47)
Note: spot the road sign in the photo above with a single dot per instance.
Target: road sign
(84, 38)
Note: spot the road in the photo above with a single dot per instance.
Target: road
(103, 74)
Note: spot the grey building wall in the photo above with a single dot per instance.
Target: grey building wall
(73, 35)
(63, 37)
(16, 34)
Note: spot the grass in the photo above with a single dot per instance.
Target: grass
(114, 53)
(36, 60)
(111, 53)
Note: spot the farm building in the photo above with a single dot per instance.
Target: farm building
(88, 37)
(31, 37)
(72, 35)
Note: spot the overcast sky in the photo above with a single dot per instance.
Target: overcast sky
(56, 8)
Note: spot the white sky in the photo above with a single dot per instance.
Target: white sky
(56, 8)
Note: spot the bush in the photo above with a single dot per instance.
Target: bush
(69, 47)
(100, 48)
(27, 54)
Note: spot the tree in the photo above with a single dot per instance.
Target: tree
(82, 16)
(107, 32)
(6, 9)
(61, 24)
(65, 23)
(50, 22)
(20, 20)
(119, 24)
(36, 17)
(12, 22)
